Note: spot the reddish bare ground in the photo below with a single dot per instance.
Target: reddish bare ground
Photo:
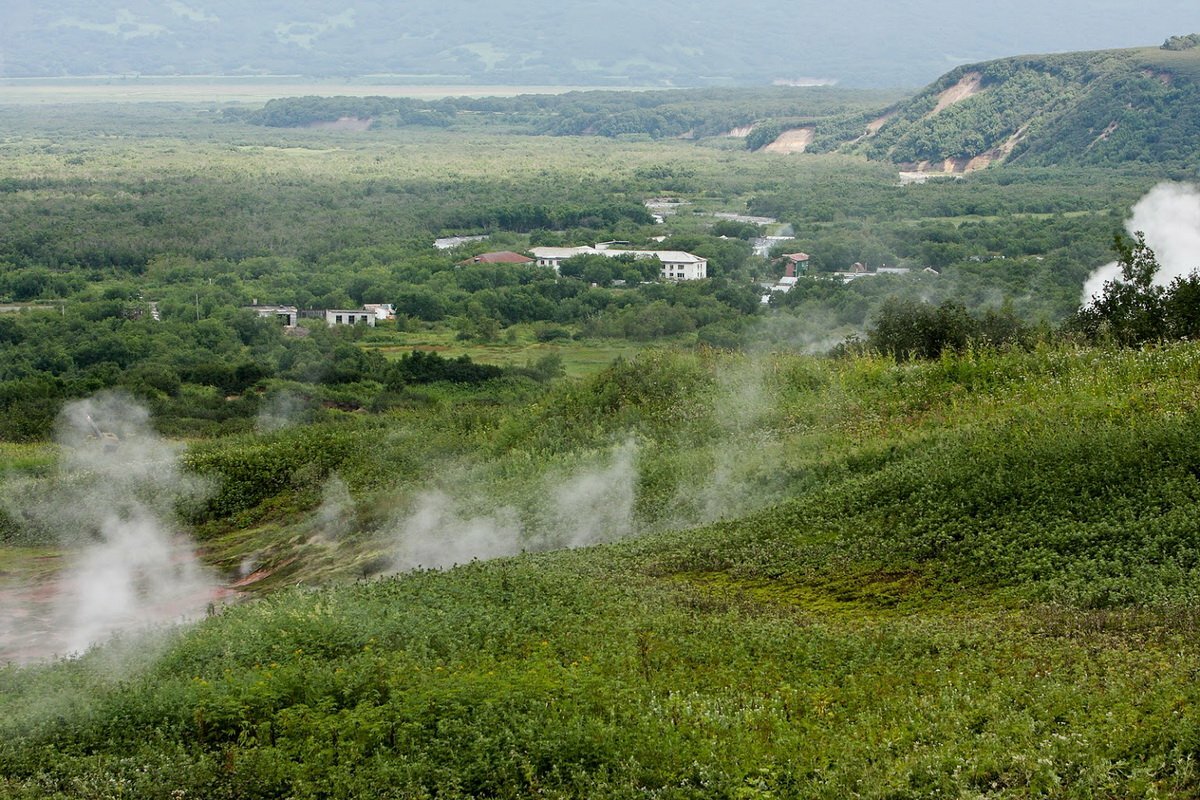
(31, 612)
(258, 575)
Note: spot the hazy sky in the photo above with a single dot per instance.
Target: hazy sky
(857, 42)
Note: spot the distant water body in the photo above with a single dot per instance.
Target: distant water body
(235, 89)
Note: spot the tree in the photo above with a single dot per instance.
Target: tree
(913, 329)
(1131, 310)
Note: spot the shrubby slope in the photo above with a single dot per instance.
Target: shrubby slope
(974, 575)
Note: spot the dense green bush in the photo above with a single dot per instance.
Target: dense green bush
(913, 329)
(1133, 310)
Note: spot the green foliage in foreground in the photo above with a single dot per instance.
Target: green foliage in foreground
(981, 582)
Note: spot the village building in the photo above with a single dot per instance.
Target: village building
(349, 316)
(285, 314)
(382, 311)
(795, 264)
(554, 256)
(677, 265)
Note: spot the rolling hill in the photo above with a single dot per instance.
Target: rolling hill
(1097, 108)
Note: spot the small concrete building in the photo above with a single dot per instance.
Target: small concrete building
(349, 316)
(678, 265)
(285, 314)
(450, 242)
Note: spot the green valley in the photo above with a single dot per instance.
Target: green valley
(347, 462)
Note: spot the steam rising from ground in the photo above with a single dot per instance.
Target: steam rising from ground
(281, 410)
(605, 497)
(113, 500)
(1169, 215)
(594, 504)
(810, 333)
(335, 516)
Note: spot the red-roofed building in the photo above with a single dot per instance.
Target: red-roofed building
(502, 257)
(796, 262)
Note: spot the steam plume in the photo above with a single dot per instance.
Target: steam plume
(1169, 215)
(112, 503)
(281, 410)
(592, 505)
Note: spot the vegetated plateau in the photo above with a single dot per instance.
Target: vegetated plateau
(587, 534)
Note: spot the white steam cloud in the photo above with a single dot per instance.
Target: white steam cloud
(111, 505)
(334, 518)
(593, 505)
(1169, 215)
(281, 410)
(436, 534)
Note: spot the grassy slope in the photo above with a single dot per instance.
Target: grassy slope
(982, 585)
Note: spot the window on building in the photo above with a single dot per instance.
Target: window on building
(337, 320)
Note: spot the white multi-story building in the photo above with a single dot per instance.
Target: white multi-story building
(553, 256)
(677, 265)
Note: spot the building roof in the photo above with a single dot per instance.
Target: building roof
(560, 252)
(666, 256)
(796, 256)
(271, 309)
(501, 257)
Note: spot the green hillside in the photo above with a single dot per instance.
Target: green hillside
(973, 576)
(1096, 108)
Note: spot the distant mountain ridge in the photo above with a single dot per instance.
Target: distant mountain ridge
(1099, 107)
(523, 42)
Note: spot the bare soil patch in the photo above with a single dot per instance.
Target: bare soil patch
(796, 140)
(970, 85)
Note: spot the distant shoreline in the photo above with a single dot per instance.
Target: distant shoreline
(251, 89)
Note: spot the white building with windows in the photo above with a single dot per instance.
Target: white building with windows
(677, 265)
(349, 316)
